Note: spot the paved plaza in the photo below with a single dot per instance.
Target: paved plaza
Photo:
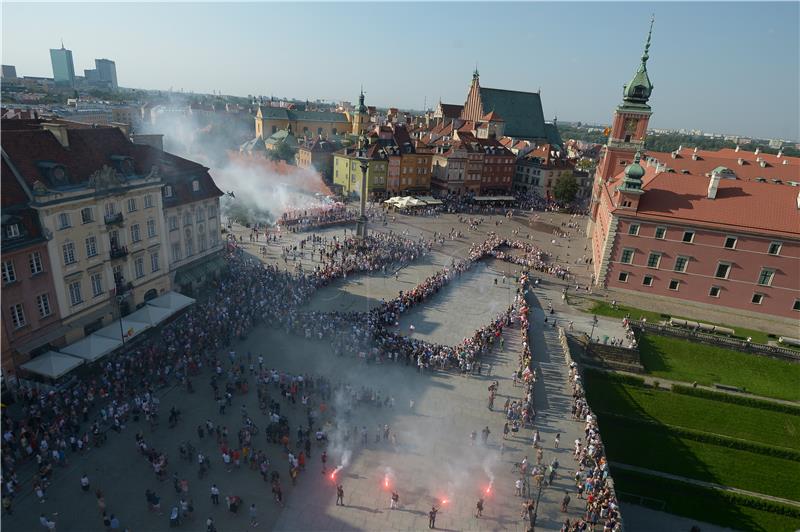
(433, 458)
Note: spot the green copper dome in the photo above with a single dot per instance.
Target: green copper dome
(634, 170)
(640, 88)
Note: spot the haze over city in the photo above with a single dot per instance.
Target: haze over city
(721, 67)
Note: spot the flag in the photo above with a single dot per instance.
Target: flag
(607, 131)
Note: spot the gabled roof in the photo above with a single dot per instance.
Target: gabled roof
(450, 110)
(522, 111)
(282, 113)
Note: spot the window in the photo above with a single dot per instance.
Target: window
(688, 236)
(173, 223)
(757, 299)
(63, 220)
(681, 263)
(730, 242)
(35, 262)
(151, 228)
(91, 246)
(723, 269)
(176, 251)
(627, 256)
(139, 267)
(189, 243)
(75, 297)
(796, 305)
(12, 230)
(87, 216)
(661, 233)
(131, 204)
(195, 186)
(623, 277)
(43, 304)
(135, 236)
(9, 274)
(647, 280)
(68, 250)
(154, 267)
(775, 248)
(212, 212)
(653, 260)
(714, 291)
(148, 201)
(97, 284)
(168, 191)
(765, 277)
(198, 215)
(187, 219)
(633, 229)
(674, 284)
(17, 316)
(111, 209)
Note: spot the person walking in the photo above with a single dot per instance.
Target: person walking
(557, 441)
(479, 508)
(395, 499)
(85, 486)
(253, 516)
(432, 517)
(565, 501)
(214, 495)
(324, 458)
(339, 495)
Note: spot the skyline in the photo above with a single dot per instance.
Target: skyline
(729, 68)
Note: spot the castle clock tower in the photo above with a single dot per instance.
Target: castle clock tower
(629, 128)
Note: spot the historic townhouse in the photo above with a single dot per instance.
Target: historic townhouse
(31, 317)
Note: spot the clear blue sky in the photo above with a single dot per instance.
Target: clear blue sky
(724, 67)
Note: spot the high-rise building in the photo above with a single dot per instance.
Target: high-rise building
(107, 72)
(63, 67)
(9, 72)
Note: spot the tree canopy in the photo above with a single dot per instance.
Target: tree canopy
(566, 188)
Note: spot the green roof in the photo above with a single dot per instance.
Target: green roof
(553, 136)
(521, 111)
(281, 113)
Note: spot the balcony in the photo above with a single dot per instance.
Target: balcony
(112, 219)
(121, 287)
(118, 252)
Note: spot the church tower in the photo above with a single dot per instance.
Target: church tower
(360, 117)
(629, 128)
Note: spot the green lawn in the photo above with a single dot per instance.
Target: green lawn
(656, 448)
(682, 360)
(604, 309)
(710, 506)
(707, 415)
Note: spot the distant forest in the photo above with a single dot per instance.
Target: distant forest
(670, 142)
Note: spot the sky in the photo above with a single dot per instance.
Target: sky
(721, 67)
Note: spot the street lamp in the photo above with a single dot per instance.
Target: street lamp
(594, 324)
(120, 299)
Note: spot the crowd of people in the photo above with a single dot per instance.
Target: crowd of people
(314, 217)
(592, 480)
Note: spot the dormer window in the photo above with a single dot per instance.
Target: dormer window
(168, 191)
(12, 231)
(124, 164)
(195, 186)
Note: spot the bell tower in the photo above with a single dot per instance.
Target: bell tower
(360, 117)
(629, 128)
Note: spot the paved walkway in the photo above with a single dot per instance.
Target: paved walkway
(704, 484)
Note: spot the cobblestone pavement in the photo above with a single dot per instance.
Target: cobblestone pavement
(433, 458)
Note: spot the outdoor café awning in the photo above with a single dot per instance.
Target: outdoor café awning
(430, 200)
(151, 315)
(172, 301)
(130, 328)
(92, 347)
(52, 364)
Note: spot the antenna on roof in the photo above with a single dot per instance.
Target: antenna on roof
(62, 43)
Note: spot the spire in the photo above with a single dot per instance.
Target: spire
(632, 182)
(62, 43)
(475, 74)
(638, 91)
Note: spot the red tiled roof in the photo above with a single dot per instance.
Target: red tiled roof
(749, 169)
(491, 116)
(450, 110)
(741, 204)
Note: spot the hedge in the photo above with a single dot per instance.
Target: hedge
(736, 399)
(705, 437)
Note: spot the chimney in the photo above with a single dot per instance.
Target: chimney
(785, 161)
(59, 131)
(695, 149)
(758, 150)
(740, 161)
(737, 148)
(780, 153)
(713, 185)
(798, 200)
(680, 147)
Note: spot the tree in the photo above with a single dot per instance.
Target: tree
(282, 152)
(566, 188)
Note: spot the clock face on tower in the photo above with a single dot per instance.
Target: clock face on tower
(630, 125)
